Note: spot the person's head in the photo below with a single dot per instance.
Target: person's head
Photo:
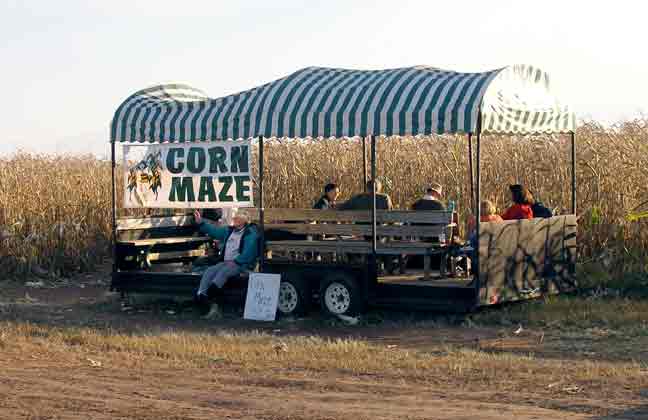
(435, 190)
(331, 191)
(487, 208)
(520, 194)
(240, 218)
(378, 186)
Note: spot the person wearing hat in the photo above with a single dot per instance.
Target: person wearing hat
(522, 202)
(239, 253)
(431, 200)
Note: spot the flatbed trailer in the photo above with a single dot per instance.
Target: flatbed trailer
(334, 258)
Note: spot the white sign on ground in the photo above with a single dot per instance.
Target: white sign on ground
(188, 175)
(262, 297)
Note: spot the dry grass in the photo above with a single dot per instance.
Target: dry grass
(258, 353)
(56, 210)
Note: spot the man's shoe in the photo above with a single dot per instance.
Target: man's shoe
(214, 312)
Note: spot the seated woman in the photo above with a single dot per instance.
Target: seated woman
(488, 214)
(239, 254)
(522, 202)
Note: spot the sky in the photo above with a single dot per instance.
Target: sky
(68, 64)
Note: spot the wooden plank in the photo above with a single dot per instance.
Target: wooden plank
(354, 247)
(161, 256)
(299, 215)
(358, 230)
(362, 216)
(153, 222)
(167, 241)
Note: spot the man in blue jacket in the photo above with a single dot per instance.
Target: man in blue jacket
(239, 251)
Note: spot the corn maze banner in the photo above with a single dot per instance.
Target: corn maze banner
(191, 175)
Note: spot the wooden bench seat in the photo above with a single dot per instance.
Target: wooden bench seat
(166, 241)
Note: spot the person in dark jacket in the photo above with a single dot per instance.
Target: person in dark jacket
(363, 201)
(328, 200)
(431, 200)
(239, 252)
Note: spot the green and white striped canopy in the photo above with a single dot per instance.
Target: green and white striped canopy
(326, 102)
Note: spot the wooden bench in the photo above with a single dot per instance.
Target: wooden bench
(158, 239)
(348, 232)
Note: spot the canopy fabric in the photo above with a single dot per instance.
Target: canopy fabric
(328, 102)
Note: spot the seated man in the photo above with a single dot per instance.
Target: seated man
(239, 254)
(363, 201)
(431, 200)
(328, 200)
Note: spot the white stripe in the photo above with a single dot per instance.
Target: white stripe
(330, 96)
(404, 95)
(241, 127)
(189, 122)
(358, 79)
(255, 110)
(463, 106)
(176, 125)
(291, 106)
(316, 111)
(442, 81)
(274, 123)
(453, 101)
(218, 103)
(434, 115)
(268, 100)
(309, 93)
(219, 123)
(365, 99)
(345, 113)
(390, 99)
(231, 119)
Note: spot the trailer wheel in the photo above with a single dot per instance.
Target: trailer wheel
(293, 296)
(340, 295)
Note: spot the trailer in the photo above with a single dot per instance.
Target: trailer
(337, 258)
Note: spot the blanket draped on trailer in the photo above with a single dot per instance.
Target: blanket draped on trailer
(327, 102)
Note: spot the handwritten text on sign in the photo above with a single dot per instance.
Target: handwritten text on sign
(198, 175)
(262, 297)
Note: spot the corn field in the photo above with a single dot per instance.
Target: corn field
(55, 211)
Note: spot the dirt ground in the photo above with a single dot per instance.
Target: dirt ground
(36, 387)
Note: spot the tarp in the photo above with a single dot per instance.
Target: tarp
(326, 102)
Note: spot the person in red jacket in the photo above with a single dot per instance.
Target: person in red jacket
(522, 202)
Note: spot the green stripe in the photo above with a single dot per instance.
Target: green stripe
(376, 75)
(275, 98)
(319, 107)
(339, 118)
(350, 78)
(383, 99)
(284, 110)
(389, 129)
(364, 115)
(402, 124)
(312, 94)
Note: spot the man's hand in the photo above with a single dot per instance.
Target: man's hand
(230, 263)
(197, 216)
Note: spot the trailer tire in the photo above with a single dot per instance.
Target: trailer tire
(294, 296)
(340, 295)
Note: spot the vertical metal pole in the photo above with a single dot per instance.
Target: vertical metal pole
(472, 176)
(374, 241)
(573, 172)
(113, 206)
(364, 164)
(261, 207)
(478, 209)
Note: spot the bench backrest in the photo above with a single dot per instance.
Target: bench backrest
(356, 222)
(303, 222)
